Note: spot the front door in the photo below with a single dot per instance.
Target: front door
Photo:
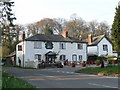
(50, 59)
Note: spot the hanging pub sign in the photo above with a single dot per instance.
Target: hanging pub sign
(48, 45)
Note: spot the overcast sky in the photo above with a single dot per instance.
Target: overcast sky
(30, 11)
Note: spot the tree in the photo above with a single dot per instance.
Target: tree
(6, 24)
(93, 25)
(97, 29)
(103, 29)
(115, 31)
(45, 26)
(76, 27)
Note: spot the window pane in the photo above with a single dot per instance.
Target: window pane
(62, 57)
(38, 57)
(74, 57)
(19, 47)
(80, 46)
(105, 48)
(37, 45)
(62, 45)
(80, 57)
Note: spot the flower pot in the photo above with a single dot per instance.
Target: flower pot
(73, 65)
(61, 66)
(113, 62)
(83, 64)
(97, 64)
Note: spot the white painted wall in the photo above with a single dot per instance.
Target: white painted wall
(19, 54)
(92, 50)
(98, 50)
(100, 47)
(71, 48)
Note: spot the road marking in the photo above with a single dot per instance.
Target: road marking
(102, 85)
(72, 72)
(67, 72)
(63, 71)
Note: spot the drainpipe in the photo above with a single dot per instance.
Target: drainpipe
(23, 39)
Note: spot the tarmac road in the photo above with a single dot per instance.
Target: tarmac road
(62, 78)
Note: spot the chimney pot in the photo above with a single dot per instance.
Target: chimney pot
(89, 39)
(65, 33)
(23, 36)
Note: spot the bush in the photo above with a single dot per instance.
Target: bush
(110, 61)
(74, 62)
(97, 62)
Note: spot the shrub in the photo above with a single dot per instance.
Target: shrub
(97, 62)
(74, 62)
(109, 61)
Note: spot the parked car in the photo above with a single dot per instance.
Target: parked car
(1, 63)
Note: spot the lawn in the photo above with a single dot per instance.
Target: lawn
(13, 82)
(96, 70)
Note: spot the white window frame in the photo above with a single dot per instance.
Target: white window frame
(74, 57)
(80, 47)
(62, 45)
(62, 57)
(36, 57)
(80, 57)
(105, 47)
(19, 49)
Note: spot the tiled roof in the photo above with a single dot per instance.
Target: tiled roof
(53, 38)
(12, 54)
(96, 40)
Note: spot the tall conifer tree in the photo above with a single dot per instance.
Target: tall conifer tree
(116, 30)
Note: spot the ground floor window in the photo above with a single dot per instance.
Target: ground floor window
(74, 57)
(38, 57)
(62, 57)
(80, 57)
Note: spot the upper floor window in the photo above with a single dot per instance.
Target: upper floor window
(105, 48)
(37, 45)
(80, 46)
(62, 45)
(62, 57)
(19, 47)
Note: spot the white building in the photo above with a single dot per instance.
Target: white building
(50, 48)
(99, 46)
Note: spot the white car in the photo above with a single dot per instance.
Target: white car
(1, 62)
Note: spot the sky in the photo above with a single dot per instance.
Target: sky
(30, 11)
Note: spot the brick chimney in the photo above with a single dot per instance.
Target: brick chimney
(23, 36)
(89, 39)
(65, 33)
(80, 37)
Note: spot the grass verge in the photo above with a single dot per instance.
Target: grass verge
(105, 71)
(13, 82)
